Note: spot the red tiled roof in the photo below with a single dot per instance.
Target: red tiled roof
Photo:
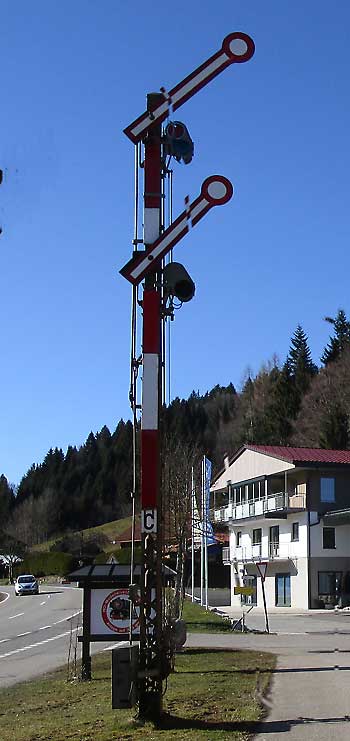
(304, 455)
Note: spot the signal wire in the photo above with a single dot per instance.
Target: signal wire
(134, 367)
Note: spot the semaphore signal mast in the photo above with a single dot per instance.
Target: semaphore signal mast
(161, 282)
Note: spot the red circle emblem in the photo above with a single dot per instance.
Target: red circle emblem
(116, 612)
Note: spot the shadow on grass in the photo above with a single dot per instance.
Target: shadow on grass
(199, 651)
(256, 670)
(171, 722)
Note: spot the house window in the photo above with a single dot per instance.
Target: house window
(257, 536)
(327, 487)
(274, 539)
(329, 583)
(295, 531)
(329, 537)
(239, 538)
(282, 590)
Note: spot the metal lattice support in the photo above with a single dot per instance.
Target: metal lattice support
(150, 669)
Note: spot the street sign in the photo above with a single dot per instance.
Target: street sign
(148, 520)
(110, 612)
(215, 191)
(236, 47)
(262, 568)
(248, 591)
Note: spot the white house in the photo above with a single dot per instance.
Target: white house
(288, 507)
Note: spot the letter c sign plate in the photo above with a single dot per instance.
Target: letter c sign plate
(149, 521)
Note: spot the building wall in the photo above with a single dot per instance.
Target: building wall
(298, 584)
(250, 465)
(294, 561)
(342, 489)
(295, 549)
(342, 542)
(325, 563)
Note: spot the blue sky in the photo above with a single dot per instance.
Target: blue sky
(73, 75)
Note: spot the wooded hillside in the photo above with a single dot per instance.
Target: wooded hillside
(294, 403)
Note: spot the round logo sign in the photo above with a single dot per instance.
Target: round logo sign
(116, 612)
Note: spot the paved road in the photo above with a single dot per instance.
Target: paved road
(35, 631)
(310, 691)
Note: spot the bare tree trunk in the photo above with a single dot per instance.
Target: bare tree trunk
(178, 600)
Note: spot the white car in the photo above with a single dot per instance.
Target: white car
(26, 584)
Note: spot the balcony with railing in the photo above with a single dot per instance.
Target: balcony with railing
(271, 551)
(270, 506)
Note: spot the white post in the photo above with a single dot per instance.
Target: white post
(202, 532)
(286, 502)
(205, 536)
(192, 545)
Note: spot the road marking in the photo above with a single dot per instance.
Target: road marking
(40, 643)
(45, 627)
(42, 603)
(22, 634)
(118, 643)
(6, 598)
(3, 640)
(63, 620)
(18, 615)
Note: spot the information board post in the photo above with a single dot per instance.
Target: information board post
(262, 569)
(85, 654)
(246, 592)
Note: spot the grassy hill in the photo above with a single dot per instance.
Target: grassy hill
(111, 530)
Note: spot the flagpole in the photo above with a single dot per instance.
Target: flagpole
(205, 535)
(202, 532)
(192, 542)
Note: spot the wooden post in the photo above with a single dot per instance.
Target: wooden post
(86, 658)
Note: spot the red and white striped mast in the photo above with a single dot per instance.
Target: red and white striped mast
(146, 265)
(150, 684)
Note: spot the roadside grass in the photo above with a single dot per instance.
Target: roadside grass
(199, 620)
(213, 694)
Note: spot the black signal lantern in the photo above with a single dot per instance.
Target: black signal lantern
(178, 143)
(177, 282)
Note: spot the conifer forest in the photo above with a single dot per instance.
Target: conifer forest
(296, 402)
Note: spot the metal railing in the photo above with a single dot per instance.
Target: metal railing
(266, 552)
(272, 503)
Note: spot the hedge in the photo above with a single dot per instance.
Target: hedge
(47, 563)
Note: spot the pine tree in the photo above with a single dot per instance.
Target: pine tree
(6, 499)
(301, 367)
(334, 429)
(282, 405)
(341, 339)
